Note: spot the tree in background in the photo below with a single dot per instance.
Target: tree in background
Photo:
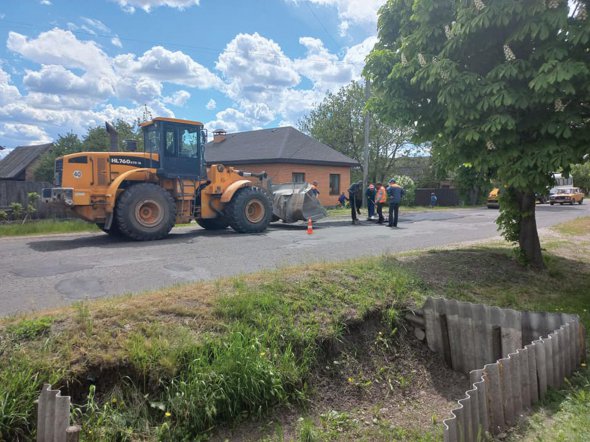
(501, 84)
(65, 144)
(339, 122)
(96, 140)
(581, 175)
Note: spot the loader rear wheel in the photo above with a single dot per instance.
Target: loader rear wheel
(145, 212)
(213, 224)
(249, 211)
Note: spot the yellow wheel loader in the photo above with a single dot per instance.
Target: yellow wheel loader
(142, 195)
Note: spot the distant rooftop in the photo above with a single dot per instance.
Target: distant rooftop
(280, 145)
(20, 158)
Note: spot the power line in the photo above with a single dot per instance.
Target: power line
(194, 48)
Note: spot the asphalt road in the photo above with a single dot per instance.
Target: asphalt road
(46, 272)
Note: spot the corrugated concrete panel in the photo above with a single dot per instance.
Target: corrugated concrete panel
(522, 354)
(53, 415)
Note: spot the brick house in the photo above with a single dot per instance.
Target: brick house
(287, 155)
(21, 162)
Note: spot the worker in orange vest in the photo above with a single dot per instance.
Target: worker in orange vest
(380, 200)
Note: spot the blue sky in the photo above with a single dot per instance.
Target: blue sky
(66, 65)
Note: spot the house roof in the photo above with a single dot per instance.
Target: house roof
(20, 158)
(280, 145)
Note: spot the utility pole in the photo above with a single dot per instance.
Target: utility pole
(366, 151)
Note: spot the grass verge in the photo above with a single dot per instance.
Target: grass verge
(177, 363)
(44, 227)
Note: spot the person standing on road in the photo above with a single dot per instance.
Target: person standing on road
(395, 193)
(433, 200)
(355, 197)
(380, 200)
(370, 193)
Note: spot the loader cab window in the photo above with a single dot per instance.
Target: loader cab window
(182, 151)
(150, 140)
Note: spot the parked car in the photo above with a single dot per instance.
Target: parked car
(566, 194)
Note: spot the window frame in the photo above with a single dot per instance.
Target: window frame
(302, 174)
(337, 189)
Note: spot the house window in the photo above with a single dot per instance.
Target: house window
(334, 184)
(298, 177)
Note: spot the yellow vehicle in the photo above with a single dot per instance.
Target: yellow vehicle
(493, 202)
(142, 195)
(566, 195)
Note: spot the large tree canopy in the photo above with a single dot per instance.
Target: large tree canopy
(339, 122)
(501, 84)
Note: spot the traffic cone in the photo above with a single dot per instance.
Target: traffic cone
(309, 227)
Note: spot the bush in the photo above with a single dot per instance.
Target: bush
(3, 215)
(408, 184)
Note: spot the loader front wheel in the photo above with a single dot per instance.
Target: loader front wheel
(213, 224)
(145, 212)
(249, 211)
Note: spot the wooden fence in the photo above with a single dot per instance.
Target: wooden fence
(17, 191)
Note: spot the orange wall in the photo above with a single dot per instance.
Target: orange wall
(282, 173)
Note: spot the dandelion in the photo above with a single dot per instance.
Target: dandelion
(262, 353)
(114, 400)
(350, 380)
(167, 414)
(479, 5)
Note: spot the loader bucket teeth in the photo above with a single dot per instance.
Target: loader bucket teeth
(293, 202)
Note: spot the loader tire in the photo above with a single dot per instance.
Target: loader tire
(249, 211)
(145, 212)
(213, 224)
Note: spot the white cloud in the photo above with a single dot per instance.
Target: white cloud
(23, 133)
(163, 65)
(148, 5)
(96, 24)
(178, 98)
(60, 47)
(211, 104)
(116, 41)
(351, 12)
(45, 2)
(8, 92)
(265, 84)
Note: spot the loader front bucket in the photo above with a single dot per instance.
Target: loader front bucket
(293, 202)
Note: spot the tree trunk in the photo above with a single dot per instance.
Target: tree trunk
(528, 239)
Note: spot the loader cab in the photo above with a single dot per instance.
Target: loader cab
(179, 145)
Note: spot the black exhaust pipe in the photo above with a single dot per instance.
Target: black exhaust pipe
(114, 136)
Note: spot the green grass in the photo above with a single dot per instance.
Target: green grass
(176, 363)
(44, 227)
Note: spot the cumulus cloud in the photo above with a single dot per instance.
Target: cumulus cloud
(148, 5)
(60, 47)
(163, 65)
(178, 98)
(8, 92)
(23, 133)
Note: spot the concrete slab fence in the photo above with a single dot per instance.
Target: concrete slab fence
(512, 358)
